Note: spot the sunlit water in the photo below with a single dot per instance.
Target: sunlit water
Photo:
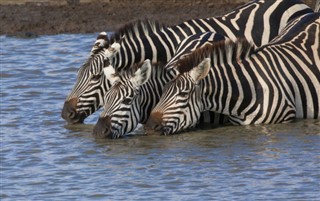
(43, 159)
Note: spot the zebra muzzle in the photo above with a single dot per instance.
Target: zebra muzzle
(69, 112)
(102, 128)
(155, 121)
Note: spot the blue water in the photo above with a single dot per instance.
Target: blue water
(42, 158)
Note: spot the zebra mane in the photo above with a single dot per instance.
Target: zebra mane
(129, 72)
(141, 27)
(230, 51)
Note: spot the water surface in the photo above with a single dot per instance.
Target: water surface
(42, 158)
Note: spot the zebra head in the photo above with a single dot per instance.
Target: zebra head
(122, 102)
(180, 105)
(87, 94)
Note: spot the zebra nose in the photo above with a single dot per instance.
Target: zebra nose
(102, 128)
(69, 111)
(155, 121)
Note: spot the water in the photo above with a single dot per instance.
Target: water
(44, 159)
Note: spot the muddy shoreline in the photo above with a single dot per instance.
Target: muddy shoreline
(32, 19)
(71, 16)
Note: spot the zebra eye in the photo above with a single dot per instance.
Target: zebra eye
(183, 94)
(127, 101)
(95, 77)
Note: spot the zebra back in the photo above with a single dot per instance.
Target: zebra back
(160, 45)
(272, 84)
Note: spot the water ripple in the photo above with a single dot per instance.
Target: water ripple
(44, 158)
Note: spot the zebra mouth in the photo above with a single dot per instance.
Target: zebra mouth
(71, 115)
(102, 128)
(115, 135)
(79, 118)
(105, 129)
(115, 131)
(74, 117)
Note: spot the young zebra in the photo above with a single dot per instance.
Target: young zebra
(275, 83)
(259, 21)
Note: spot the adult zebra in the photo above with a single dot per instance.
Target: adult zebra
(129, 103)
(259, 21)
(86, 96)
(272, 84)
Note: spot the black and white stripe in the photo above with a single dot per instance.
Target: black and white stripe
(135, 91)
(258, 21)
(272, 84)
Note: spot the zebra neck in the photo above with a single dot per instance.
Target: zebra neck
(221, 89)
(223, 94)
(158, 47)
(151, 91)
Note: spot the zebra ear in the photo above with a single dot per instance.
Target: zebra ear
(109, 72)
(113, 49)
(143, 74)
(101, 42)
(201, 71)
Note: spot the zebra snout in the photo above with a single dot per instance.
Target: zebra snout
(69, 112)
(102, 128)
(155, 121)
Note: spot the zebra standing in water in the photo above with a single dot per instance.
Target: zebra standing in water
(87, 94)
(258, 21)
(275, 83)
(128, 103)
(133, 93)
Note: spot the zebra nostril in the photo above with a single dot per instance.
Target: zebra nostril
(165, 131)
(102, 128)
(154, 121)
(107, 131)
(72, 114)
(69, 111)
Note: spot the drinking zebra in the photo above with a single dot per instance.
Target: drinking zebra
(86, 96)
(129, 103)
(272, 84)
(258, 21)
(133, 93)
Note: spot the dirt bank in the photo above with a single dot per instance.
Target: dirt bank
(38, 17)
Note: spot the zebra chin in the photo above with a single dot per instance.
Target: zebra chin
(155, 123)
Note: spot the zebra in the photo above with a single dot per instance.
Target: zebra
(275, 83)
(87, 93)
(129, 98)
(259, 21)
(126, 109)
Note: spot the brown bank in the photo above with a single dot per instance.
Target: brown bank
(27, 18)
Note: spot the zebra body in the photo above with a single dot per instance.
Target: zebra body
(118, 118)
(272, 84)
(258, 21)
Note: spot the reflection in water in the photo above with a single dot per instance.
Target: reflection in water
(43, 158)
